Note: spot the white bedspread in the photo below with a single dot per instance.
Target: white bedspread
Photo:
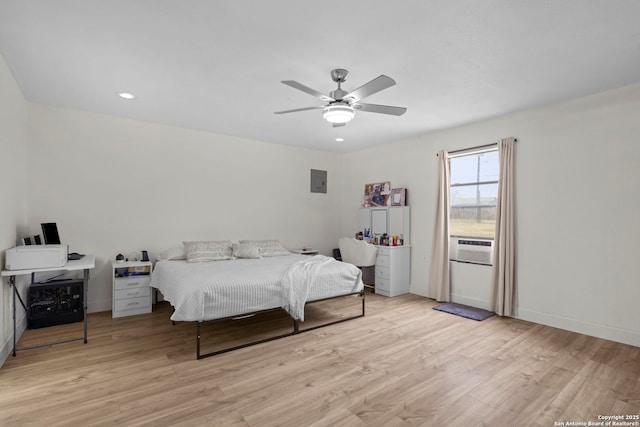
(218, 289)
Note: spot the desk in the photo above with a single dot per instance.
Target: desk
(86, 263)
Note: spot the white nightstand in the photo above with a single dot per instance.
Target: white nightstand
(131, 288)
(305, 251)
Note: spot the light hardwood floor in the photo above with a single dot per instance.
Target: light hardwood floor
(403, 364)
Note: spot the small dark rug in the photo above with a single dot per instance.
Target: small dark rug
(464, 311)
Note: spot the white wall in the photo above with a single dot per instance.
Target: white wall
(577, 175)
(13, 190)
(120, 186)
(115, 185)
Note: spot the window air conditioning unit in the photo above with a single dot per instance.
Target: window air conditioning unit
(476, 251)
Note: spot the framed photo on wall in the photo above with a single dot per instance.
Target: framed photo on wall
(398, 197)
(377, 194)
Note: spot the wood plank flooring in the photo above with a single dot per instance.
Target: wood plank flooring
(403, 364)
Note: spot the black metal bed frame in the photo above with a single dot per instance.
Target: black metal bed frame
(296, 326)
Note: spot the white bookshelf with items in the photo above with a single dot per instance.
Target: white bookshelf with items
(392, 221)
(131, 288)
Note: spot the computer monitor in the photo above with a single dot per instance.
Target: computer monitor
(50, 233)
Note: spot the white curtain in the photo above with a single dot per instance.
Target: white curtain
(503, 274)
(439, 278)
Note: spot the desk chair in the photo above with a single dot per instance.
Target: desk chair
(361, 254)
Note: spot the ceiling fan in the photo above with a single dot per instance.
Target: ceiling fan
(341, 105)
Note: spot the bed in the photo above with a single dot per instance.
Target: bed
(230, 288)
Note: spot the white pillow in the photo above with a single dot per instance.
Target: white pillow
(246, 250)
(216, 250)
(174, 253)
(268, 248)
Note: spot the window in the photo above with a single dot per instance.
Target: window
(473, 194)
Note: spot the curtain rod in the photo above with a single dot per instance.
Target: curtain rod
(475, 148)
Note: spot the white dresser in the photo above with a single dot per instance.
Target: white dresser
(131, 288)
(393, 270)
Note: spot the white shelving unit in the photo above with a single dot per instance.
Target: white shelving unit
(131, 288)
(394, 220)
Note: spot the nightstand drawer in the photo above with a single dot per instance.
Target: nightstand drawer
(383, 272)
(133, 292)
(383, 284)
(132, 282)
(383, 251)
(382, 261)
(132, 303)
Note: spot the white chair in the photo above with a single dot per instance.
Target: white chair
(359, 253)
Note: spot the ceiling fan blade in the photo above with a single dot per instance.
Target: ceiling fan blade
(294, 84)
(299, 109)
(383, 109)
(374, 86)
(337, 125)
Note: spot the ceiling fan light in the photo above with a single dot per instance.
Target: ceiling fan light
(338, 113)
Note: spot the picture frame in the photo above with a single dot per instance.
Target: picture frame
(377, 194)
(398, 197)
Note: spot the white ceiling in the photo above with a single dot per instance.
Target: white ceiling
(217, 65)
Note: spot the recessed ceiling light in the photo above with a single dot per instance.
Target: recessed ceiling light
(339, 139)
(126, 95)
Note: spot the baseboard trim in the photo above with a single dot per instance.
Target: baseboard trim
(96, 306)
(7, 346)
(473, 302)
(624, 336)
